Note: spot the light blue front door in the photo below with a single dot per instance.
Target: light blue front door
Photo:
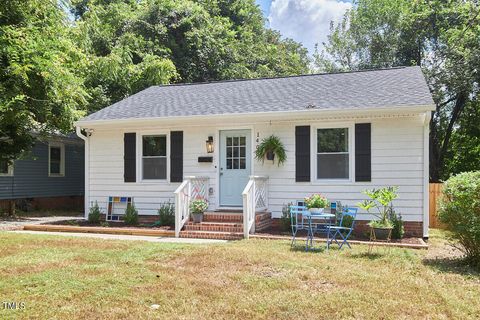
(235, 162)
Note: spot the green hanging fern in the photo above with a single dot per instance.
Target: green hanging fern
(272, 145)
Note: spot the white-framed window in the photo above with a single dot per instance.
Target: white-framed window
(56, 160)
(6, 169)
(154, 157)
(333, 153)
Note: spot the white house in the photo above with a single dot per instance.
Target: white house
(152, 146)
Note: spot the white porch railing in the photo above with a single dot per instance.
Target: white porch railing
(255, 197)
(191, 188)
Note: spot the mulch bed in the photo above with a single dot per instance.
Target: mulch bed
(109, 224)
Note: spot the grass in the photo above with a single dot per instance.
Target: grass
(80, 278)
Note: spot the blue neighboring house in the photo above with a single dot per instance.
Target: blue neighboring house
(50, 176)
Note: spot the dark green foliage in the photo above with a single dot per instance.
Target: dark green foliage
(460, 212)
(285, 220)
(131, 216)
(271, 144)
(94, 213)
(166, 214)
(442, 37)
(397, 222)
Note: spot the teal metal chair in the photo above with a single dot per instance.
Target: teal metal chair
(340, 232)
(298, 221)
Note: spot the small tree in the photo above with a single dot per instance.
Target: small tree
(166, 214)
(94, 213)
(381, 200)
(131, 215)
(460, 212)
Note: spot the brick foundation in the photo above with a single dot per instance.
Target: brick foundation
(412, 228)
(46, 203)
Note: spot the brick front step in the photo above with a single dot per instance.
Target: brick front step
(211, 235)
(214, 226)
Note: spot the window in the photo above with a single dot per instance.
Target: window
(5, 168)
(56, 160)
(154, 157)
(236, 152)
(332, 153)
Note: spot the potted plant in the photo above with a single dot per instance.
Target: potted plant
(269, 148)
(197, 208)
(316, 203)
(380, 201)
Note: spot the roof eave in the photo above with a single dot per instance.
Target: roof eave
(306, 112)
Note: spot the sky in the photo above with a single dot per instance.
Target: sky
(305, 21)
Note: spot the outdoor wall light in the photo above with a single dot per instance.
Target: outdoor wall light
(209, 144)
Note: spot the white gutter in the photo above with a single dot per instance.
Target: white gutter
(426, 173)
(87, 173)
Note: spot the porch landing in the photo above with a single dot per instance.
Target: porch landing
(226, 225)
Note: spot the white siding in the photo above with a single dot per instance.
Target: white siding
(397, 159)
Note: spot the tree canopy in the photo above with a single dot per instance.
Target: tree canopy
(443, 37)
(60, 59)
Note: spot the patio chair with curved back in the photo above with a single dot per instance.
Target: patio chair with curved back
(298, 221)
(340, 230)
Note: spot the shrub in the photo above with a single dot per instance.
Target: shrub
(131, 215)
(94, 213)
(398, 230)
(166, 214)
(460, 212)
(285, 221)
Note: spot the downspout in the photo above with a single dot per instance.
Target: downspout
(79, 133)
(426, 173)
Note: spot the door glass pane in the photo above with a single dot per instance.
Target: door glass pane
(242, 141)
(242, 151)
(332, 140)
(229, 141)
(332, 166)
(242, 164)
(229, 163)
(235, 141)
(229, 152)
(235, 164)
(236, 152)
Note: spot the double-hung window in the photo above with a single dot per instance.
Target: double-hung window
(154, 157)
(56, 160)
(333, 153)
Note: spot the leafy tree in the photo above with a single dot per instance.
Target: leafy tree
(40, 76)
(440, 36)
(179, 41)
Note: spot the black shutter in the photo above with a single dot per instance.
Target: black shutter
(363, 152)
(302, 153)
(129, 157)
(176, 156)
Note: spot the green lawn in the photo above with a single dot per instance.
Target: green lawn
(68, 278)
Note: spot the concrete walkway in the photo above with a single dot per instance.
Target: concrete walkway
(122, 237)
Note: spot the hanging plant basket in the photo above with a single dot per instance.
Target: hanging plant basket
(271, 148)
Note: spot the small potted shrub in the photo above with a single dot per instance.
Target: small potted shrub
(380, 201)
(316, 203)
(269, 148)
(197, 208)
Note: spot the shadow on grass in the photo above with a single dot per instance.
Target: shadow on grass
(452, 265)
(367, 255)
(301, 248)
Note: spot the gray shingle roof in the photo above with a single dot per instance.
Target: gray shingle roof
(396, 87)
